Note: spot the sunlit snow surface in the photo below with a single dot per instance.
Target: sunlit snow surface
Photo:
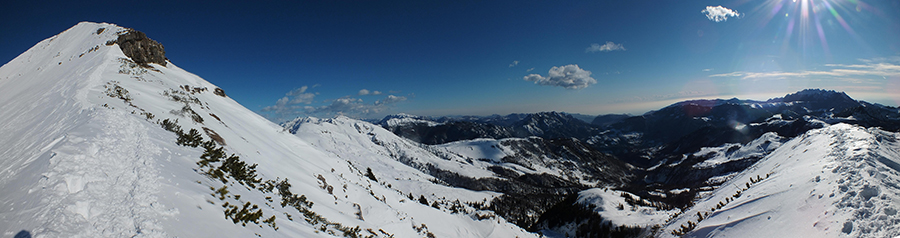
(607, 203)
(838, 181)
(77, 162)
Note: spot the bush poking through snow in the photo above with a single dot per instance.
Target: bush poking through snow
(181, 96)
(192, 138)
(170, 125)
(721, 204)
(114, 90)
(130, 68)
(244, 214)
(219, 91)
(370, 175)
(215, 165)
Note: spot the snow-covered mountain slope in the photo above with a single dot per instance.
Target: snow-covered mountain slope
(710, 166)
(838, 181)
(470, 158)
(615, 207)
(504, 171)
(87, 149)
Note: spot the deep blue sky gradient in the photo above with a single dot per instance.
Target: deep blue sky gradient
(453, 57)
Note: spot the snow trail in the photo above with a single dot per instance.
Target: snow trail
(837, 181)
(103, 181)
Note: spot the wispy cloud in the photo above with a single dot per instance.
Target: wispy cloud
(719, 13)
(300, 102)
(529, 70)
(662, 97)
(836, 70)
(514, 63)
(299, 95)
(568, 76)
(291, 99)
(609, 46)
(363, 92)
(390, 99)
(354, 107)
(292, 102)
(707, 70)
(891, 59)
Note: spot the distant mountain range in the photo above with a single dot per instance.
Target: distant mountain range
(666, 146)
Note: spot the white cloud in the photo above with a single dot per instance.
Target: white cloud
(390, 99)
(836, 71)
(529, 70)
(291, 99)
(299, 102)
(568, 76)
(354, 107)
(363, 92)
(661, 97)
(514, 63)
(340, 106)
(719, 13)
(290, 104)
(609, 46)
(707, 70)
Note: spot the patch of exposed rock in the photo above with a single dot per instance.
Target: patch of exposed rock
(141, 49)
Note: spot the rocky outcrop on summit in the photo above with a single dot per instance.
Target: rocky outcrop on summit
(141, 49)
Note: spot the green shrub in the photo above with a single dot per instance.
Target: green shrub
(192, 138)
(114, 90)
(171, 125)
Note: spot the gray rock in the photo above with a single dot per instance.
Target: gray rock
(141, 49)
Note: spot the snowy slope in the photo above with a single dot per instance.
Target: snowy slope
(504, 172)
(838, 181)
(611, 205)
(357, 140)
(84, 155)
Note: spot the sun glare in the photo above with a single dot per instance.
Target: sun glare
(807, 23)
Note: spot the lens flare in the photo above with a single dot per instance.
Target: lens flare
(804, 26)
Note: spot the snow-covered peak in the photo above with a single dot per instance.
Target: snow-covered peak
(94, 143)
(814, 95)
(403, 119)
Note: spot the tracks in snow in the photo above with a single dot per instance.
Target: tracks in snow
(103, 181)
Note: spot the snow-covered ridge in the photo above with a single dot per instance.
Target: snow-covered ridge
(831, 182)
(84, 155)
(731, 152)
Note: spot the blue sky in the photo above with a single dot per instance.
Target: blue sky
(370, 58)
